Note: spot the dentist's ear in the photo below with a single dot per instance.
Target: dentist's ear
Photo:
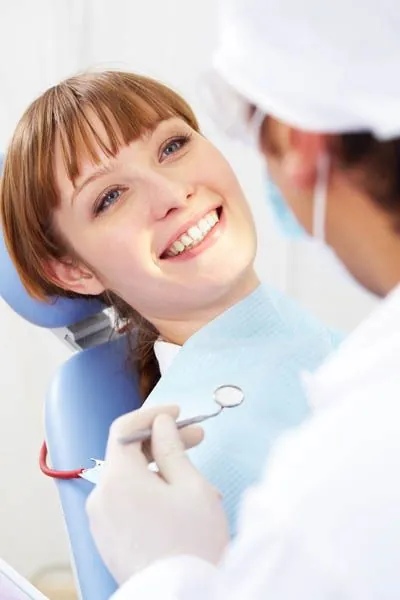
(74, 277)
(300, 157)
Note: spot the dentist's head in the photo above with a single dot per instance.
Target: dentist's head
(316, 85)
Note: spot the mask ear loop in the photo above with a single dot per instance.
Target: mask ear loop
(320, 198)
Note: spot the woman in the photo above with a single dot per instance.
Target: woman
(110, 190)
(324, 523)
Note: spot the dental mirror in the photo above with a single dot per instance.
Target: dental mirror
(226, 396)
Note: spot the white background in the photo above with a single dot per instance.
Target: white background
(41, 42)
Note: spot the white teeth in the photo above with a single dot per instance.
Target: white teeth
(210, 219)
(204, 226)
(186, 240)
(178, 246)
(194, 235)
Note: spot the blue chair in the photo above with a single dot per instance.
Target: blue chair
(88, 392)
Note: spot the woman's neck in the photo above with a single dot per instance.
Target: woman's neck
(178, 331)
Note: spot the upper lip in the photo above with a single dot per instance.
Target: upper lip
(185, 226)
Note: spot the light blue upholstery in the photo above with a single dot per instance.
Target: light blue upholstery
(87, 393)
(59, 312)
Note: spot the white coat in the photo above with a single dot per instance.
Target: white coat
(324, 523)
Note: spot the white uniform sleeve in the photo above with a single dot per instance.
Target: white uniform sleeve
(294, 575)
(176, 578)
(324, 523)
(270, 559)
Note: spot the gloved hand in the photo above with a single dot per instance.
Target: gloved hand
(137, 516)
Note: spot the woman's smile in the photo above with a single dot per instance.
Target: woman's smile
(196, 237)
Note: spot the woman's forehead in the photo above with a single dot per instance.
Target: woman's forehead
(93, 142)
(97, 149)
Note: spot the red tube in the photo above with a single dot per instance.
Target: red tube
(52, 472)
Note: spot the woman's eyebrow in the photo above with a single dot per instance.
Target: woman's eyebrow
(102, 170)
(106, 169)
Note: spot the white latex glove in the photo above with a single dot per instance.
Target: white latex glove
(137, 516)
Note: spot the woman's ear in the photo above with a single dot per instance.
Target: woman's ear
(74, 277)
(300, 158)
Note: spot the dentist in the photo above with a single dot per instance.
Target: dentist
(321, 79)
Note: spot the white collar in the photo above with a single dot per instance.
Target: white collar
(165, 353)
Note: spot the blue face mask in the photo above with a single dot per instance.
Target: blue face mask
(291, 228)
(284, 217)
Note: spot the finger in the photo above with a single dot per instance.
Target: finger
(190, 436)
(168, 450)
(140, 419)
(129, 424)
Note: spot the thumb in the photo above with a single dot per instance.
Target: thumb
(169, 454)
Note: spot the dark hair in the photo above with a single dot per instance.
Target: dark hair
(375, 165)
(141, 335)
(127, 105)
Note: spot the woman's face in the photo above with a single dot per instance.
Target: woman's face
(164, 224)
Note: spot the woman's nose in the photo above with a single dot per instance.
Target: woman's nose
(170, 195)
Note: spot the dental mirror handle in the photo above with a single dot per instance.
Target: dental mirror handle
(145, 434)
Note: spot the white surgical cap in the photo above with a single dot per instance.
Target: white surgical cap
(320, 65)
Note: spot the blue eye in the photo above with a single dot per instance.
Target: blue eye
(174, 145)
(107, 200)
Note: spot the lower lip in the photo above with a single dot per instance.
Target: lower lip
(210, 239)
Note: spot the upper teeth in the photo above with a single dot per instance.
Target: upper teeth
(194, 235)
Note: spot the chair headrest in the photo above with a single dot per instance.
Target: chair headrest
(57, 312)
